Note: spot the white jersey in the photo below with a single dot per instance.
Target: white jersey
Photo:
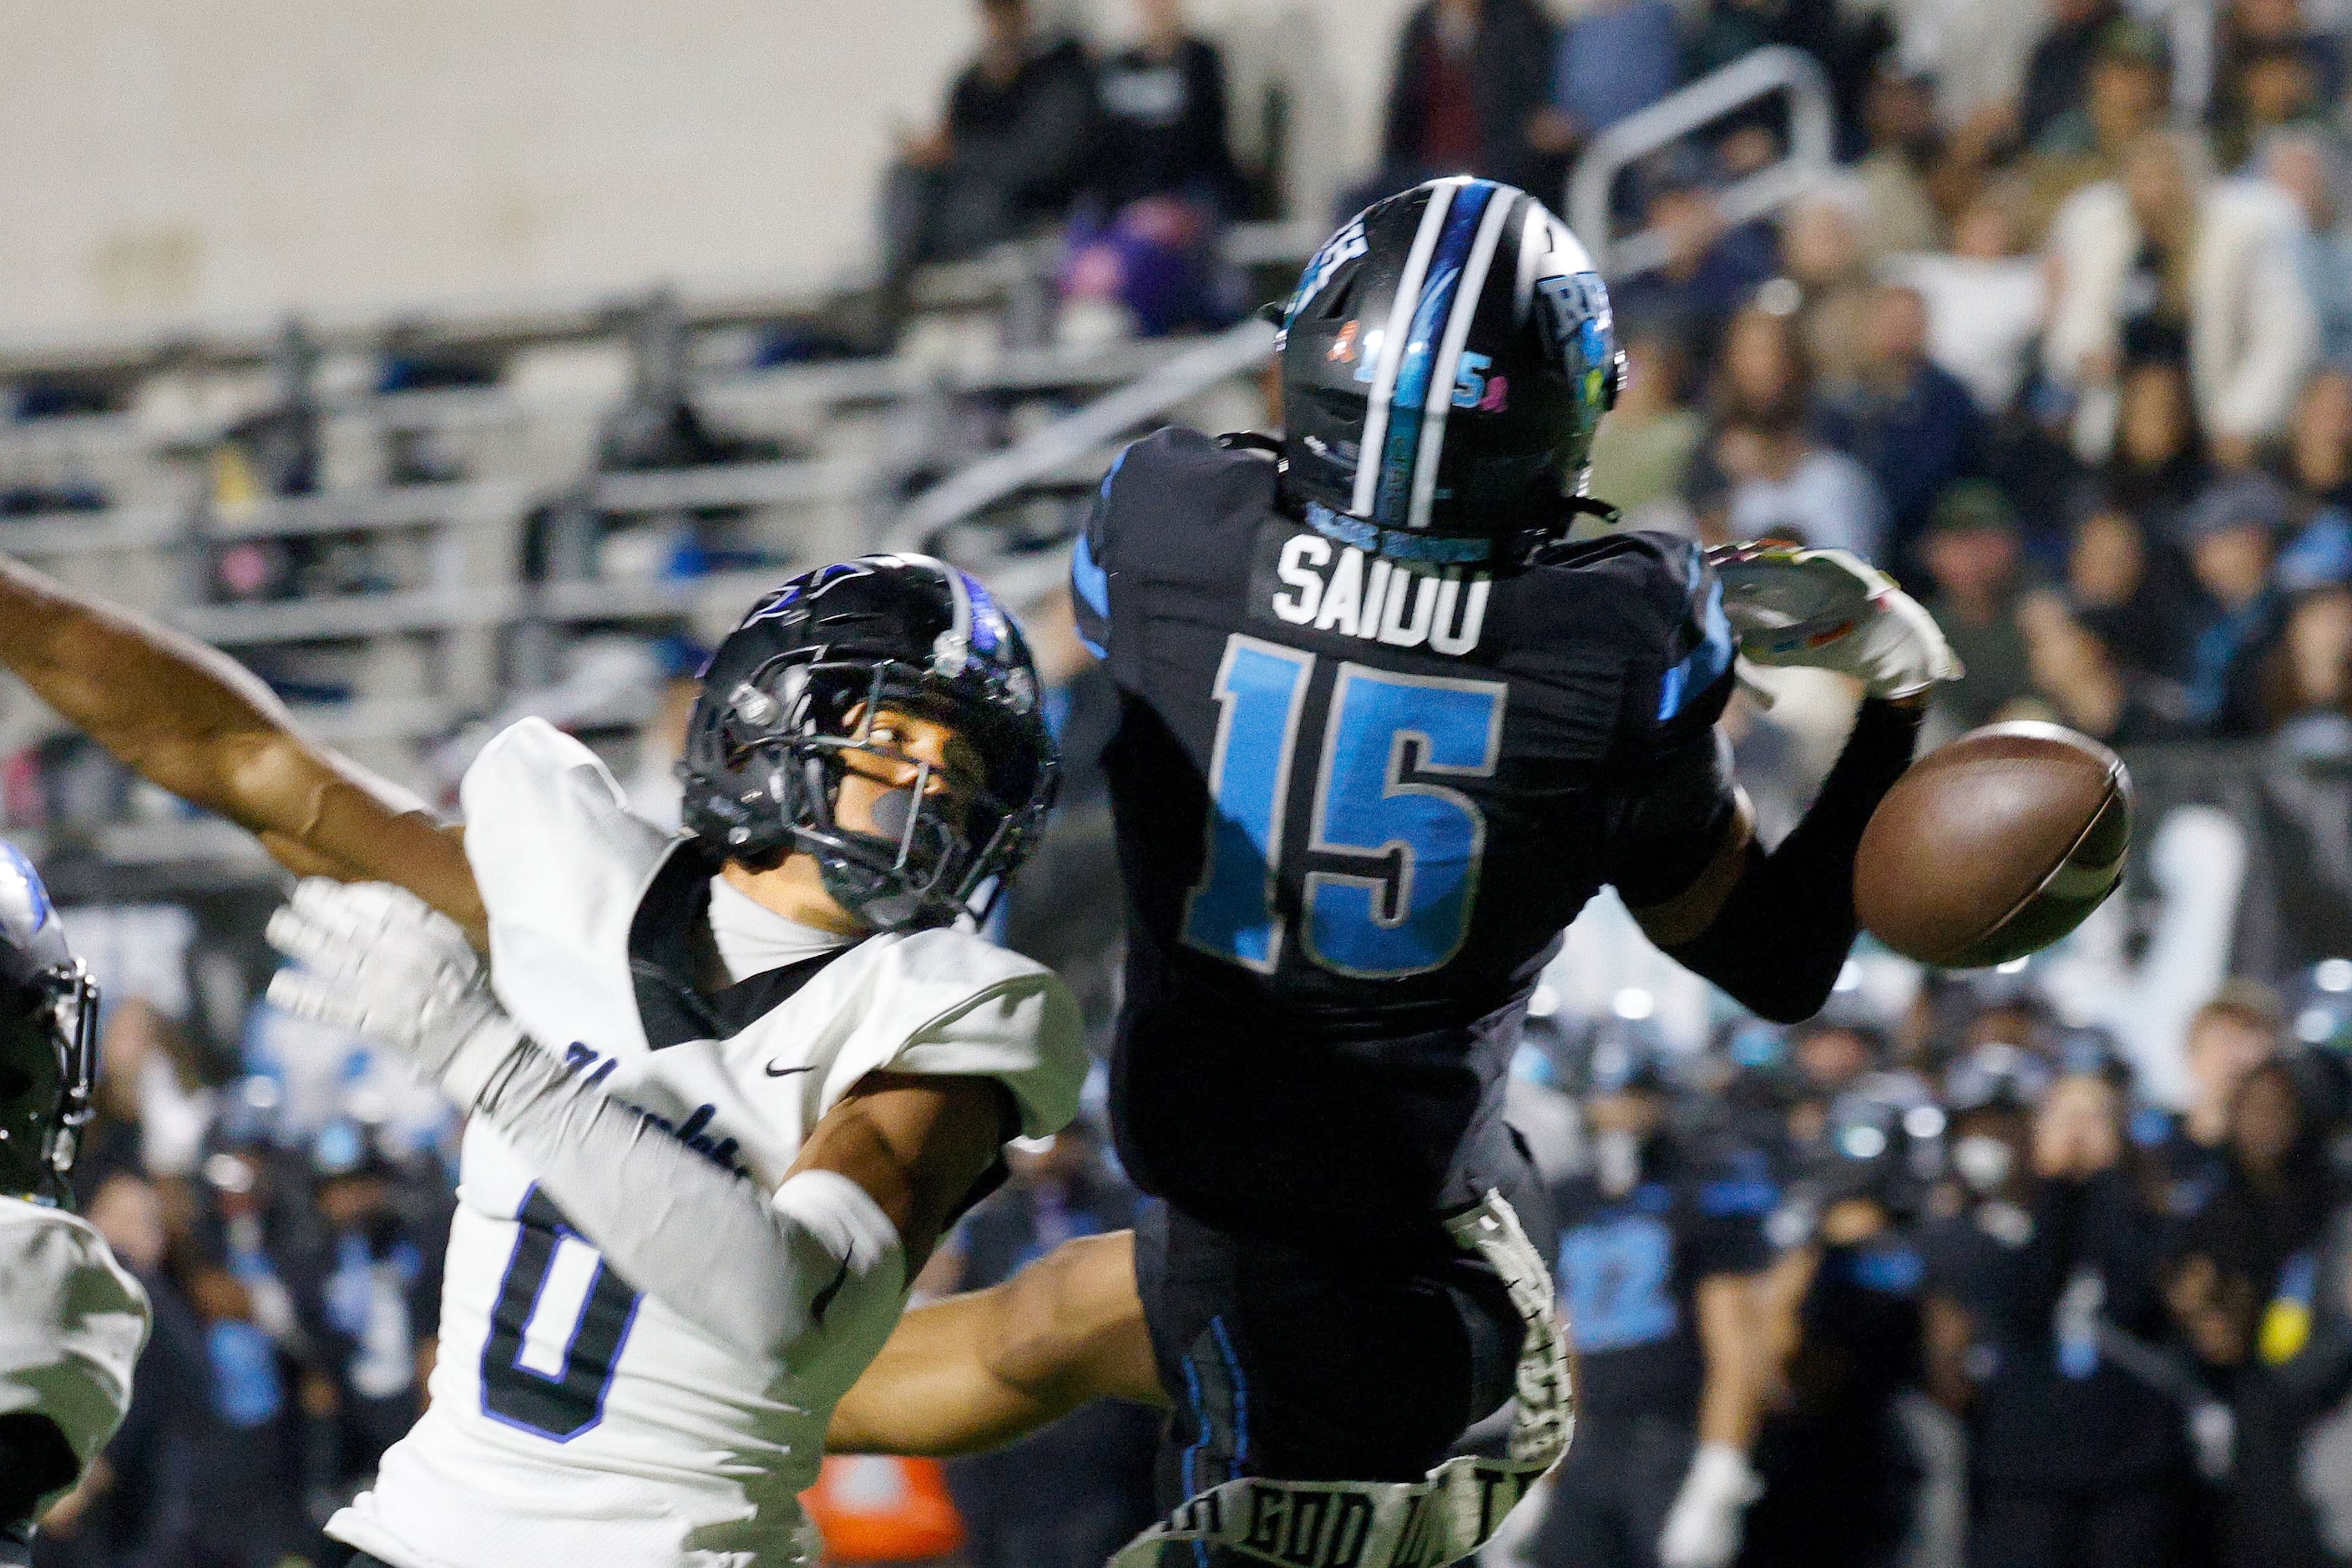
(72, 1324)
(575, 1420)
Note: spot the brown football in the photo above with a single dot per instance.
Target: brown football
(1994, 845)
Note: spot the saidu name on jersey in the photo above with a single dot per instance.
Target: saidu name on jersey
(1332, 587)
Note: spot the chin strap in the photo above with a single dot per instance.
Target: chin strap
(1441, 1519)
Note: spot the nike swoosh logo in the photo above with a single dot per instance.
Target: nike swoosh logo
(774, 1072)
(823, 1299)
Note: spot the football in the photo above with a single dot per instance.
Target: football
(1994, 845)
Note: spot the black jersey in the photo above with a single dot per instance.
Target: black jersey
(1356, 804)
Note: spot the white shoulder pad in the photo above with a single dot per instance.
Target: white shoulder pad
(543, 813)
(949, 1004)
(72, 1326)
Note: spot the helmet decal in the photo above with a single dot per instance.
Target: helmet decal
(1338, 251)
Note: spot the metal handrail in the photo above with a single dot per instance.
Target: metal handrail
(1757, 74)
(993, 478)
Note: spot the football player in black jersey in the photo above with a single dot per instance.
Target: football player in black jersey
(1385, 730)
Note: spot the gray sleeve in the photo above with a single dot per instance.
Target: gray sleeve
(755, 1274)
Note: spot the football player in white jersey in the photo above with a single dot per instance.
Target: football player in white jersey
(72, 1319)
(783, 996)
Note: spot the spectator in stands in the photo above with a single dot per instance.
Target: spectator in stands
(2162, 255)
(2132, 590)
(1614, 57)
(2310, 168)
(2274, 88)
(1821, 248)
(2308, 688)
(2156, 464)
(2074, 1462)
(1762, 373)
(1711, 267)
(1898, 210)
(2123, 99)
(1786, 484)
(1161, 126)
(2228, 1038)
(2270, 69)
(1068, 1496)
(1985, 301)
(2233, 534)
(1904, 419)
(2244, 1291)
(1971, 554)
(1472, 80)
(1007, 156)
(1973, 55)
(2058, 72)
(1643, 449)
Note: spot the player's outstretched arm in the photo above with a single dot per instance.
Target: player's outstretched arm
(977, 1370)
(1773, 929)
(192, 720)
(838, 1240)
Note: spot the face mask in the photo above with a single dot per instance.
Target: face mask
(1617, 1161)
(1983, 1161)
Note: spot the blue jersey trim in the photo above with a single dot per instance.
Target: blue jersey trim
(1705, 665)
(1088, 581)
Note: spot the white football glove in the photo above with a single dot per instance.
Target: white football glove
(1833, 611)
(1703, 1527)
(378, 961)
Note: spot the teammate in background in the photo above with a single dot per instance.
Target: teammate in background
(1660, 1244)
(1841, 1328)
(774, 1067)
(72, 1319)
(1385, 729)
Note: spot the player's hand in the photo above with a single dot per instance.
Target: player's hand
(1703, 1527)
(1831, 610)
(378, 961)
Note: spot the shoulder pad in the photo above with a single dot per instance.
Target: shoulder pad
(545, 819)
(952, 1004)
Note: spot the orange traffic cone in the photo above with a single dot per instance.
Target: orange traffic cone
(872, 1508)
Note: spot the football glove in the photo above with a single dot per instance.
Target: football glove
(1702, 1528)
(1831, 610)
(378, 961)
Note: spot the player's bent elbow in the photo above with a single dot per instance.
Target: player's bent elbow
(1788, 997)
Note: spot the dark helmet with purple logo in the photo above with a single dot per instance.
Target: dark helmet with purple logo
(1444, 362)
(48, 1037)
(796, 688)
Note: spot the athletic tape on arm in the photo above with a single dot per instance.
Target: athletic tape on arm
(1406, 1524)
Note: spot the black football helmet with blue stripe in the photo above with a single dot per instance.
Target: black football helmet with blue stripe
(48, 1038)
(1445, 361)
(795, 688)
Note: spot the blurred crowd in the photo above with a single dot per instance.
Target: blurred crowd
(2069, 354)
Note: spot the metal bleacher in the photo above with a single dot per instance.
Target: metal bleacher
(434, 600)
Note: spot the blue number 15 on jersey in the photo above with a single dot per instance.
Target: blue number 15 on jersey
(1395, 854)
